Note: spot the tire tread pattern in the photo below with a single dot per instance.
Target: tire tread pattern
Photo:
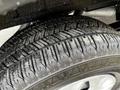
(52, 45)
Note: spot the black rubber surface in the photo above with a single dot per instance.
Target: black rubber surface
(53, 45)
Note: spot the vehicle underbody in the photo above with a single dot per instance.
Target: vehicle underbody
(15, 12)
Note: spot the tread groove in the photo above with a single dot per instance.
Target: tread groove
(45, 47)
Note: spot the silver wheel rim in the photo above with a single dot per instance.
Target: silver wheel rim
(99, 82)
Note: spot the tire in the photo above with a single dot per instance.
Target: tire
(52, 53)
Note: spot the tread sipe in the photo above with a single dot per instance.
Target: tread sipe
(46, 47)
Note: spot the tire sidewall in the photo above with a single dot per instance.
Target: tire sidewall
(98, 66)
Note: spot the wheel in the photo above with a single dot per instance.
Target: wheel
(65, 53)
